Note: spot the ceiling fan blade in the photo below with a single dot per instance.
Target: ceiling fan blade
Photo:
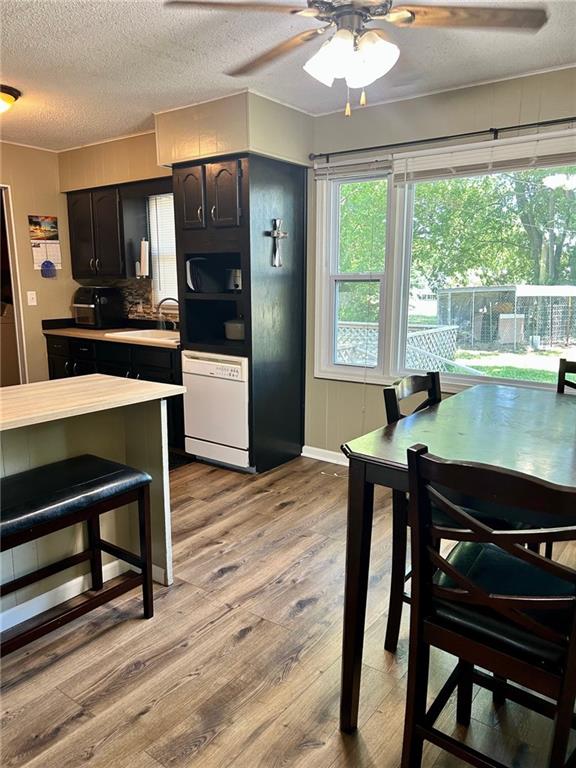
(244, 6)
(278, 50)
(467, 16)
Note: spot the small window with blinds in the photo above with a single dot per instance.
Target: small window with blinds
(355, 274)
(163, 248)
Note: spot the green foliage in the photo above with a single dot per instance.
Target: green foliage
(362, 211)
(497, 229)
(358, 302)
(521, 374)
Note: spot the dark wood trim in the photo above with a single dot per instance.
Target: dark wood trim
(48, 621)
(358, 539)
(43, 573)
(121, 554)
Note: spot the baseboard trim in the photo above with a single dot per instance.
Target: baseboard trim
(19, 613)
(322, 454)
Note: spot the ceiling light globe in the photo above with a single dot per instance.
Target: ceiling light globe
(6, 102)
(333, 59)
(373, 58)
(8, 96)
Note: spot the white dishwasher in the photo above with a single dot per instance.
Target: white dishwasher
(216, 407)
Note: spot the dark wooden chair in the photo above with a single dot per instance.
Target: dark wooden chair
(55, 496)
(393, 396)
(492, 603)
(566, 367)
(411, 385)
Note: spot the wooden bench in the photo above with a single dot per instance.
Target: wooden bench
(55, 496)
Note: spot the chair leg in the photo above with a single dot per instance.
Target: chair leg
(465, 690)
(563, 723)
(398, 573)
(498, 698)
(416, 698)
(93, 529)
(146, 550)
(549, 550)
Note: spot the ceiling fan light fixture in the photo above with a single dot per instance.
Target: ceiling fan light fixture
(333, 59)
(372, 59)
(8, 96)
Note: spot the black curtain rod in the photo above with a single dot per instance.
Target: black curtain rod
(494, 133)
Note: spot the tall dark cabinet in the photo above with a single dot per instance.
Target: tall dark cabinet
(225, 211)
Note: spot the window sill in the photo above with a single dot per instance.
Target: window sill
(449, 384)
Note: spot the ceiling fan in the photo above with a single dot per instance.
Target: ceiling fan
(359, 53)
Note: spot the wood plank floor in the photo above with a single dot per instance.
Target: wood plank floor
(241, 664)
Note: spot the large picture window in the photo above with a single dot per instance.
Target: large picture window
(492, 287)
(469, 273)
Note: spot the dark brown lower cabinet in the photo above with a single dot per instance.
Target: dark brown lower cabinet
(69, 357)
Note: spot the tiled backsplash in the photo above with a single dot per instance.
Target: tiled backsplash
(138, 303)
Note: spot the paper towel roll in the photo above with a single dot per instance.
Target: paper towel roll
(144, 258)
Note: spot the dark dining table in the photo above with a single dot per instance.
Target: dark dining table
(525, 429)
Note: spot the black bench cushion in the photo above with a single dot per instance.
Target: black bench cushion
(498, 572)
(53, 491)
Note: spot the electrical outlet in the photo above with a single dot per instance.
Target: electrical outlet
(32, 300)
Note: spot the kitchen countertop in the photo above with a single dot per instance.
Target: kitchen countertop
(26, 404)
(101, 335)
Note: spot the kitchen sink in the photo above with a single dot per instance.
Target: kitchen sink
(151, 335)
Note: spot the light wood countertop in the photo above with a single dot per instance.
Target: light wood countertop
(27, 404)
(97, 334)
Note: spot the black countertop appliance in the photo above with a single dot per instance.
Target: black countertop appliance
(98, 307)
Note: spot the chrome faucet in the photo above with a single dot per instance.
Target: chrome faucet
(161, 318)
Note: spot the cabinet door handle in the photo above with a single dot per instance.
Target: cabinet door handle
(97, 265)
(92, 268)
(67, 367)
(74, 369)
(213, 213)
(199, 212)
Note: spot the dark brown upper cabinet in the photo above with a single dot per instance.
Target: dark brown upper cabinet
(209, 195)
(107, 226)
(108, 256)
(81, 234)
(95, 239)
(193, 197)
(223, 181)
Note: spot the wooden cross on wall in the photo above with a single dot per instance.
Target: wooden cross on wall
(276, 234)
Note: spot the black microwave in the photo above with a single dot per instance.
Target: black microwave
(98, 307)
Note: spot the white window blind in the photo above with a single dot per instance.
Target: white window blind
(352, 168)
(162, 247)
(543, 150)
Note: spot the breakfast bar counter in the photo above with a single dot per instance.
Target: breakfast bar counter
(27, 404)
(123, 420)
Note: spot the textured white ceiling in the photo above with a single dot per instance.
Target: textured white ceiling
(95, 69)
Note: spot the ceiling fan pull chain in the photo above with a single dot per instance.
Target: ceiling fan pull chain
(348, 110)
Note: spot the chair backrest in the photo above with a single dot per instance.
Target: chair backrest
(566, 367)
(427, 475)
(408, 386)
